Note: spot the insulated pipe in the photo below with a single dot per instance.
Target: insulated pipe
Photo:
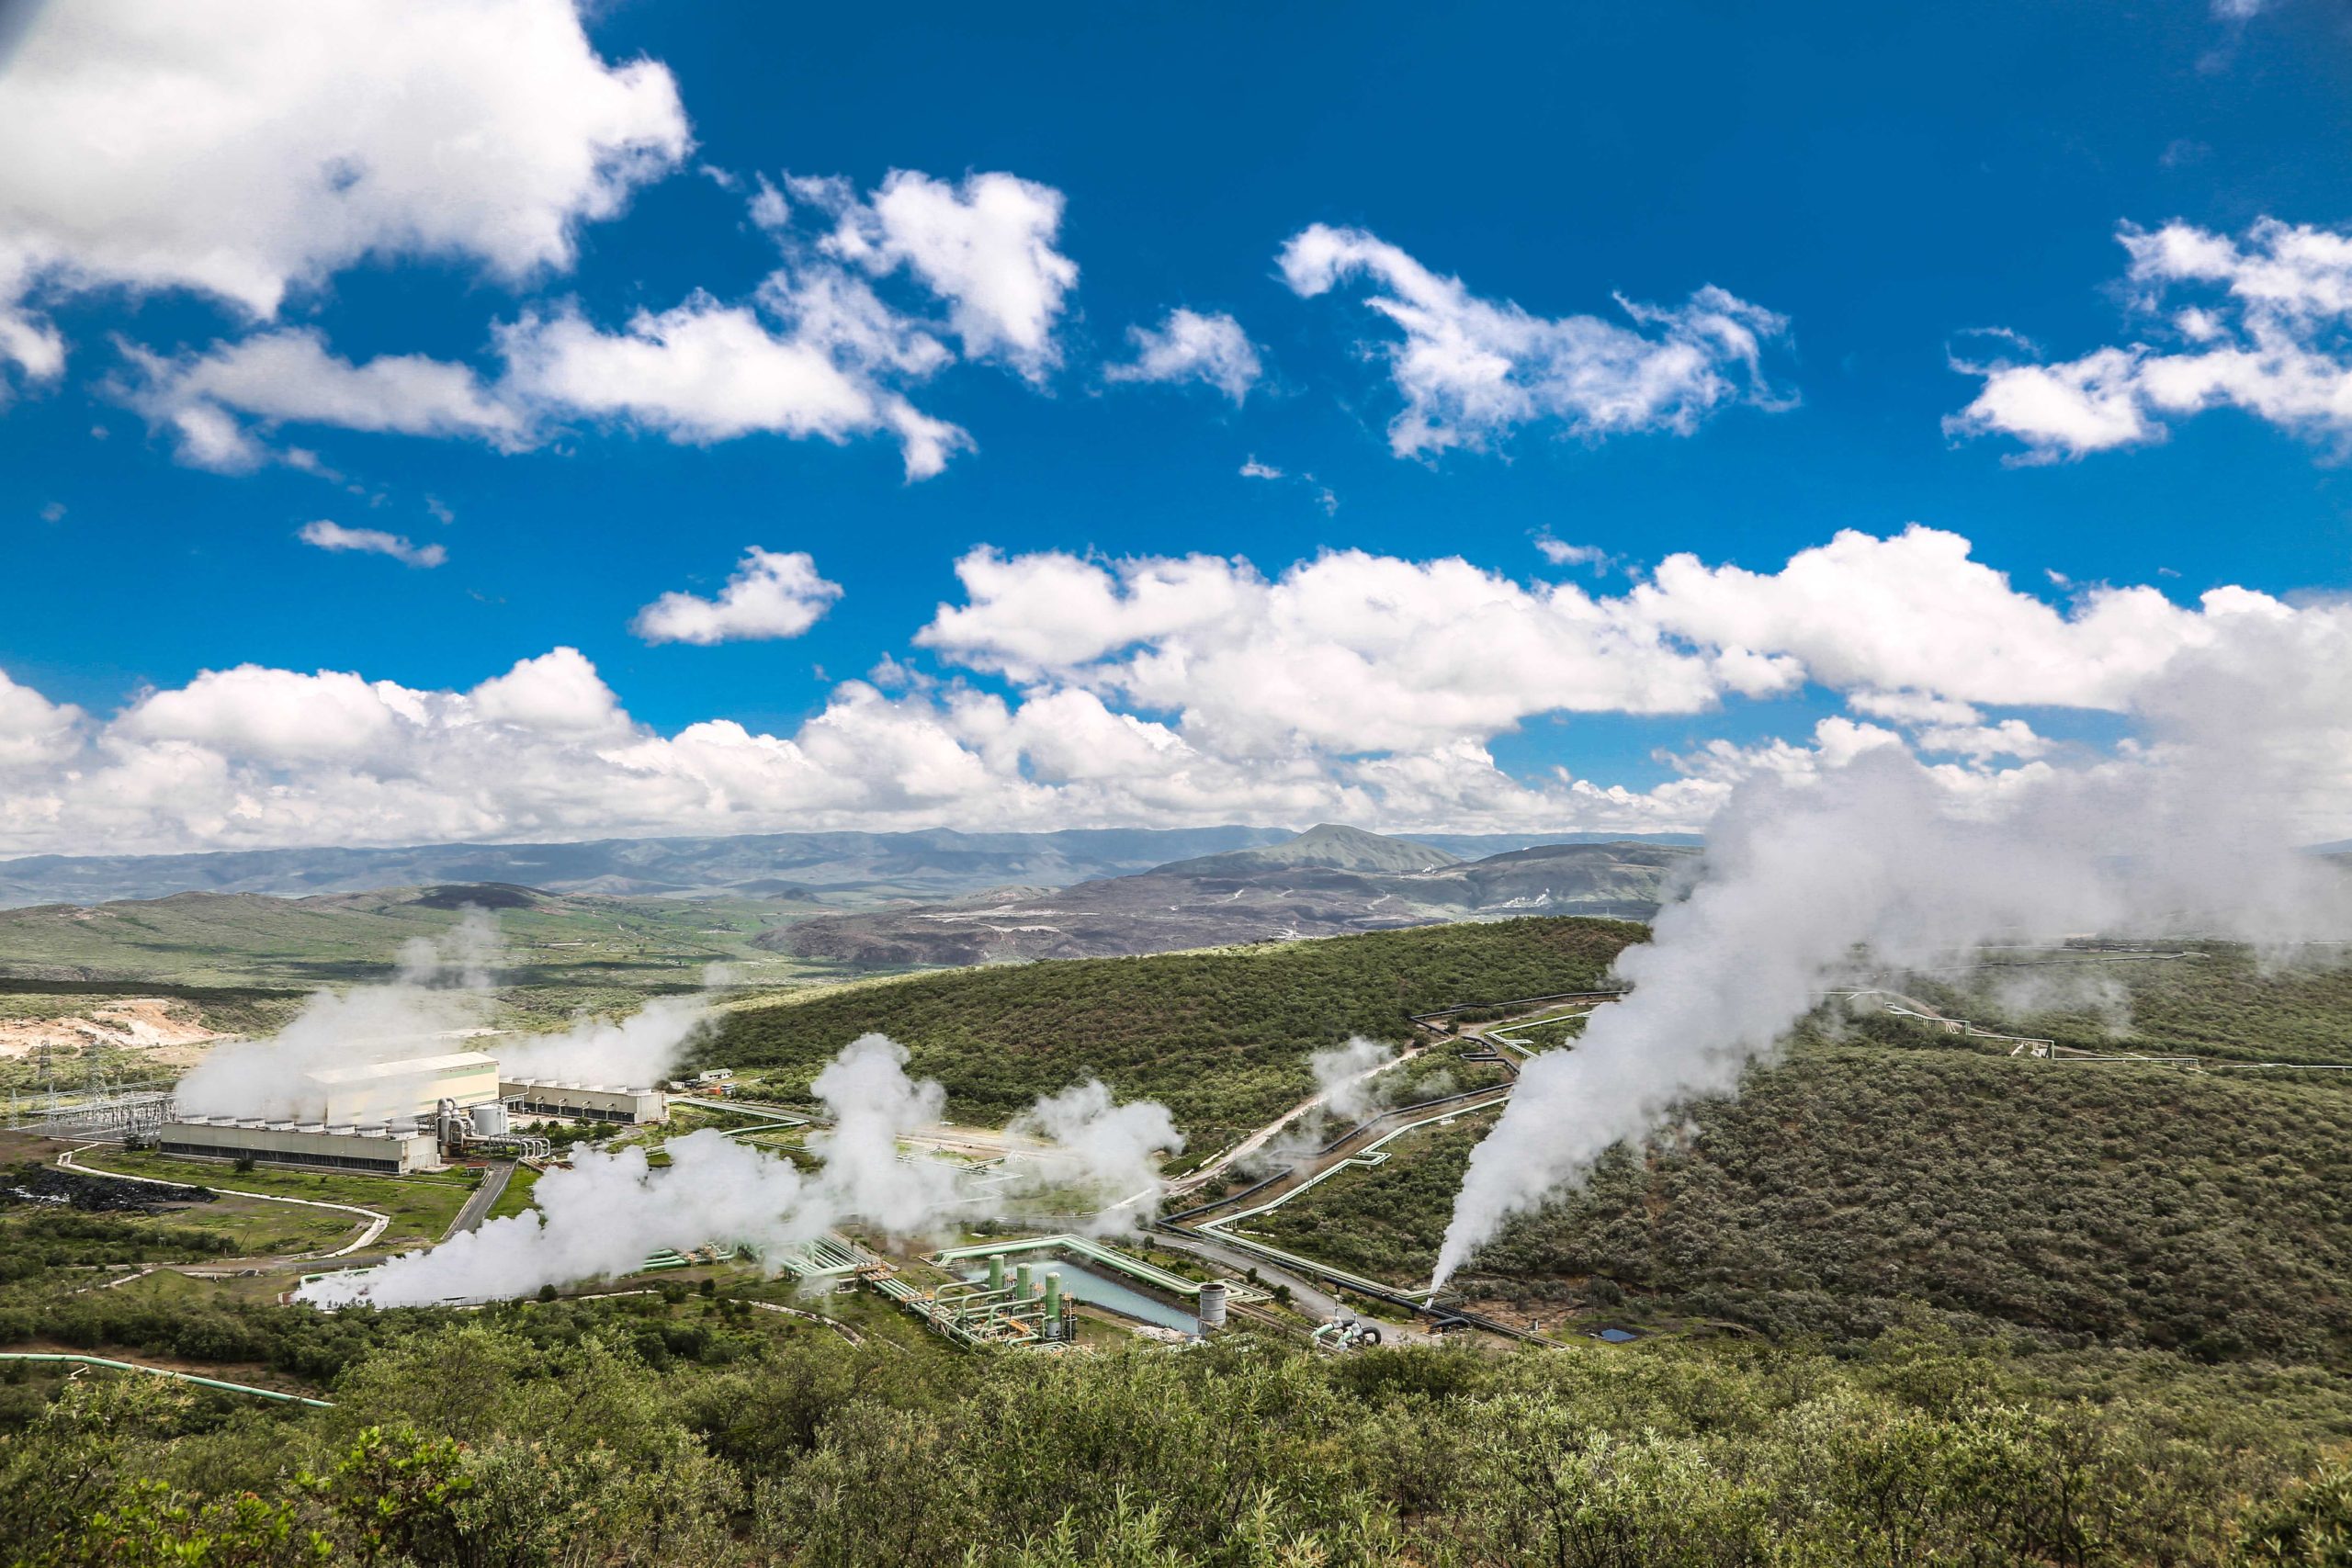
(167, 1372)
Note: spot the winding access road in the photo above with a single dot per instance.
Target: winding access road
(377, 1222)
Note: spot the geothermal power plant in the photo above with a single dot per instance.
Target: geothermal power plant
(389, 1118)
(408, 1114)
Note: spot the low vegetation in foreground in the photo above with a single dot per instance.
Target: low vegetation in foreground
(542, 1435)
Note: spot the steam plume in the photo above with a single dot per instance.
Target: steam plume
(2188, 828)
(1105, 1152)
(638, 1052)
(438, 988)
(607, 1214)
(1346, 1077)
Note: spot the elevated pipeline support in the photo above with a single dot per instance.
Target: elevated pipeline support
(113, 1365)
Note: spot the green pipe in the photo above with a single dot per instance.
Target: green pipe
(996, 1270)
(166, 1372)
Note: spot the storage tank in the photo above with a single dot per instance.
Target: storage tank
(1212, 1306)
(490, 1121)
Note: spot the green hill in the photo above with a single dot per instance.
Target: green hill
(1222, 1038)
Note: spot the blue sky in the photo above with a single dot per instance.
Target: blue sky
(1889, 181)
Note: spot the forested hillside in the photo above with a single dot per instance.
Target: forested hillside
(1222, 1038)
(2114, 1202)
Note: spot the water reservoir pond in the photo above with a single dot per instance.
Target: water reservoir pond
(1101, 1290)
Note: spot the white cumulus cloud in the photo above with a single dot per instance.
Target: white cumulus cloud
(2267, 330)
(214, 402)
(813, 352)
(985, 246)
(771, 594)
(1472, 370)
(246, 148)
(1191, 690)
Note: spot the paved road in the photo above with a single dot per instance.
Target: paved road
(477, 1207)
(1308, 1297)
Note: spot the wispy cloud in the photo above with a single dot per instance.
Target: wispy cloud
(329, 535)
(1472, 370)
(1189, 346)
(1559, 552)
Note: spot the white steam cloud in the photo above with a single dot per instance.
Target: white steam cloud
(1106, 1152)
(439, 989)
(636, 1052)
(1346, 1077)
(604, 1216)
(437, 1001)
(2189, 828)
(1346, 1090)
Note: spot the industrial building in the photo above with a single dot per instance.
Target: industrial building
(381, 1150)
(410, 1087)
(585, 1102)
(394, 1117)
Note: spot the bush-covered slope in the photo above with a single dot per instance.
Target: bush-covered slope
(1222, 1038)
(2225, 1002)
(543, 1435)
(2131, 1204)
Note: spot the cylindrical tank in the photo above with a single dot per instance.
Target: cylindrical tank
(490, 1121)
(1213, 1305)
(1024, 1282)
(996, 1270)
(1053, 1298)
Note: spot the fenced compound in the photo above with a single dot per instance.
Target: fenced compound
(112, 1114)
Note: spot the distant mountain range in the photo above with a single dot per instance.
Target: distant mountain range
(1326, 882)
(935, 864)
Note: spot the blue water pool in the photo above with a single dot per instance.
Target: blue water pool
(1101, 1290)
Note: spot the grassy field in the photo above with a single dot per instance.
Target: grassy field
(251, 1227)
(1221, 1038)
(421, 1207)
(517, 1196)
